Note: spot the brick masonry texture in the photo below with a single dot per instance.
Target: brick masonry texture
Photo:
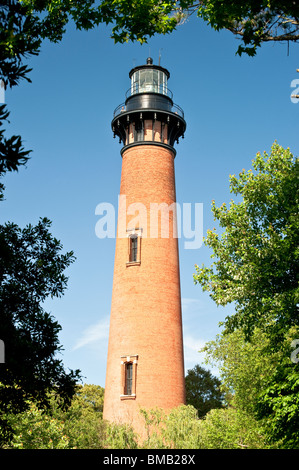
(146, 302)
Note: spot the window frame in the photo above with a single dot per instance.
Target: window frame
(125, 362)
(128, 389)
(133, 248)
(136, 234)
(139, 131)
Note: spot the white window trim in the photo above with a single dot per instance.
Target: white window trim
(134, 232)
(132, 358)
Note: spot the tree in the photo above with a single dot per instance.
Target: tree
(262, 384)
(278, 403)
(131, 20)
(228, 428)
(12, 153)
(83, 420)
(254, 22)
(80, 426)
(31, 270)
(257, 254)
(178, 429)
(245, 368)
(120, 436)
(203, 390)
(231, 428)
(24, 24)
(256, 268)
(16, 41)
(34, 429)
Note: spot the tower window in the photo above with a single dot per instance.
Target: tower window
(134, 246)
(133, 249)
(139, 132)
(129, 378)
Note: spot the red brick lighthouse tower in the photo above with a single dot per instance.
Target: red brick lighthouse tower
(145, 366)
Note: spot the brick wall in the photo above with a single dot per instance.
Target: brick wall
(146, 305)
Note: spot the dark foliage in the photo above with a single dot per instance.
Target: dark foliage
(203, 390)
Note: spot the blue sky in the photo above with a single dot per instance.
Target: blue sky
(234, 107)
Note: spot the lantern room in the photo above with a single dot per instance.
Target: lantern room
(148, 114)
(146, 79)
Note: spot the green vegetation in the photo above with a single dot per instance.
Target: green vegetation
(256, 256)
(82, 427)
(253, 22)
(203, 390)
(256, 267)
(31, 270)
(245, 368)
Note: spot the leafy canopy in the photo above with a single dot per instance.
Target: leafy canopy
(256, 257)
(253, 21)
(83, 423)
(24, 24)
(34, 429)
(256, 267)
(245, 367)
(12, 153)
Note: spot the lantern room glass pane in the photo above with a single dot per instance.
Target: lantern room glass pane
(155, 81)
(149, 81)
(135, 82)
(162, 83)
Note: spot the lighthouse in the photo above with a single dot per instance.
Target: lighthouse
(145, 362)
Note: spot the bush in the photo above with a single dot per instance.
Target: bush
(33, 429)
